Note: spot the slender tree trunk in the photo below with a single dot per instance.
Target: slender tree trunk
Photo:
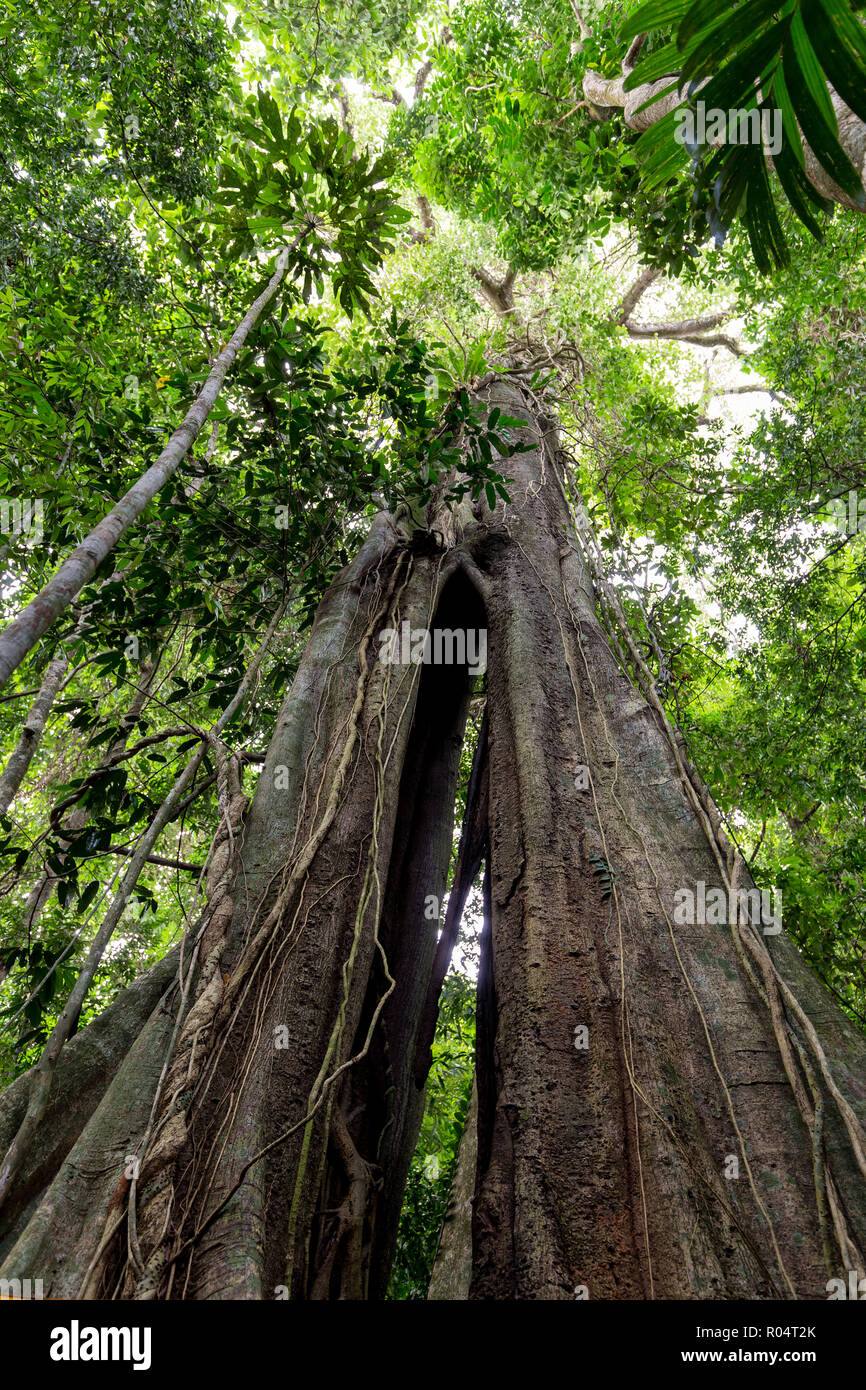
(57, 674)
(21, 635)
(664, 1110)
(40, 893)
(31, 730)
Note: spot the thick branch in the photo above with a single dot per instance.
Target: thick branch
(427, 220)
(711, 340)
(695, 331)
(428, 224)
(421, 78)
(631, 57)
(630, 301)
(345, 110)
(747, 390)
(499, 296)
(392, 98)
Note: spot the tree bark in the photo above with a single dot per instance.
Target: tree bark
(85, 1071)
(602, 1168)
(288, 1172)
(32, 729)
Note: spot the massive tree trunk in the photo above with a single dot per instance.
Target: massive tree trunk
(316, 907)
(662, 1152)
(663, 1110)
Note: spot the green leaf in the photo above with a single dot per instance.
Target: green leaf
(663, 63)
(704, 14)
(843, 56)
(656, 14)
(86, 898)
(799, 191)
(810, 69)
(734, 84)
(270, 114)
(761, 219)
(663, 155)
(803, 78)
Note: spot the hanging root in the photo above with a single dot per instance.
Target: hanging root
(217, 999)
(347, 1238)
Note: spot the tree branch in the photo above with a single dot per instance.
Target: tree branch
(695, 331)
(498, 295)
(687, 328)
(392, 99)
(633, 53)
(708, 341)
(582, 25)
(162, 861)
(345, 110)
(646, 278)
(421, 79)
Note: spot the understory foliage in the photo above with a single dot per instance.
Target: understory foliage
(429, 1183)
(155, 158)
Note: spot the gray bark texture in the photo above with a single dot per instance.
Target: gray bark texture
(31, 730)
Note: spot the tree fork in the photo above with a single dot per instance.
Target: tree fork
(639, 1135)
